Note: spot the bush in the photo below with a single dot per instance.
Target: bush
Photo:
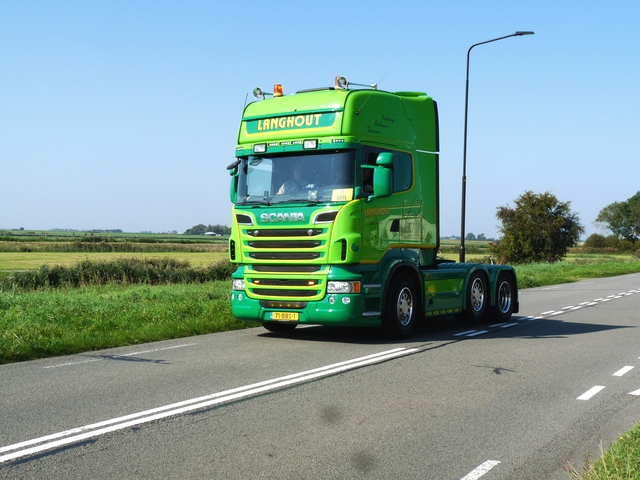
(595, 241)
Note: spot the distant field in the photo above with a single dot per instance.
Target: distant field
(12, 261)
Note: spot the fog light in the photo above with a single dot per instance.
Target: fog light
(346, 300)
(240, 297)
(332, 300)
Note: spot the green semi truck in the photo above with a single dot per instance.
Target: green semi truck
(335, 218)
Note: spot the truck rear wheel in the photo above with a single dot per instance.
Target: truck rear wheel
(279, 327)
(401, 311)
(476, 298)
(504, 301)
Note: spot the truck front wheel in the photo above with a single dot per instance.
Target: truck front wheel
(476, 298)
(401, 311)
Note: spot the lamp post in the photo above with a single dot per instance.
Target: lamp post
(464, 154)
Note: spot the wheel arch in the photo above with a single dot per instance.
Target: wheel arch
(404, 268)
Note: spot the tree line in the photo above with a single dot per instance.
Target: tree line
(202, 229)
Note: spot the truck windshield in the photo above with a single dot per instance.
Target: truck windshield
(309, 177)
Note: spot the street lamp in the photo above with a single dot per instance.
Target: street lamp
(464, 154)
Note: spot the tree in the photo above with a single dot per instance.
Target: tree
(622, 218)
(539, 229)
(595, 240)
(470, 236)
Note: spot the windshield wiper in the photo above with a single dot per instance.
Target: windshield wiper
(301, 200)
(257, 202)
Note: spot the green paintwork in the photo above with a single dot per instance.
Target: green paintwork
(288, 252)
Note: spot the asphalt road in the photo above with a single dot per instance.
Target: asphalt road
(513, 401)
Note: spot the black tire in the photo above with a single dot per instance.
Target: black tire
(504, 297)
(477, 296)
(401, 310)
(279, 327)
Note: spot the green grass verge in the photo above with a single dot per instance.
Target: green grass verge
(575, 269)
(61, 322)
(621, 461)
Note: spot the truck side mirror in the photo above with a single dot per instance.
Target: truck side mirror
(233, 189)
(383, 176)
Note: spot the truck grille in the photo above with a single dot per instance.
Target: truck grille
(285, 265)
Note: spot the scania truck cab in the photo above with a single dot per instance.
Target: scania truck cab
(335, 216)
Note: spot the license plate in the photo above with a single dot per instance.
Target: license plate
(284, 316)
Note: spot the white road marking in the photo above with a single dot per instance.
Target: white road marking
(118, 356)
(547, 313)
(622, 371)
(590, 393)
(480, 470)
(480, 332)
(463, 333)
(635, 392)
(88, 431)
(509, 325)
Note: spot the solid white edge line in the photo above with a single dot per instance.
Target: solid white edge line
(622, 371)
(590, 393)
(185, 402)
(189, 405)
(480, 470)
(122, 355)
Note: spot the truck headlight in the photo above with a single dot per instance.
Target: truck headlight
(238, 284)
(343, 287)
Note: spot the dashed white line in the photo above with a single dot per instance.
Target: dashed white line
(590, 393)
(635, 392)
(463, 333)
(622, 371)
(480, 332)
(509, 325)
(480, 470)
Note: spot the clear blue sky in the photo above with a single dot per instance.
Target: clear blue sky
(124, 114)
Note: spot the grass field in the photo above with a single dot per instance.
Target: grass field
(12, 261)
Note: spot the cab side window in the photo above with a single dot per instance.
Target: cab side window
(402, 167)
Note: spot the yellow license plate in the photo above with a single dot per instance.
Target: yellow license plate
(285, 316)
